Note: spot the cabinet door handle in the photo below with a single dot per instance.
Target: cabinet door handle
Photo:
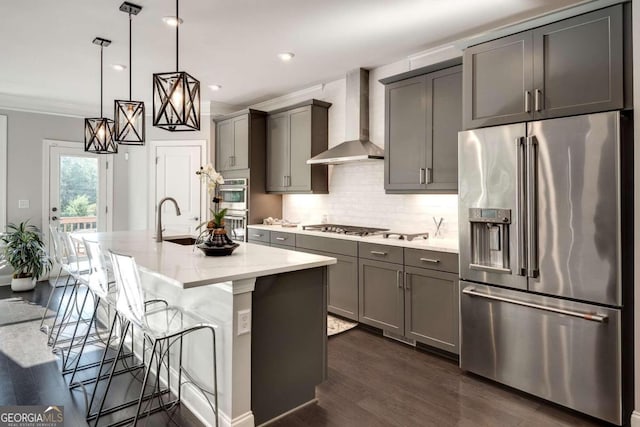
(257, 235)
(537, 100)
(378, 253)
(527, 101)
(407, 286)
(284, 180)
(398, 279)
(431, 260)
(421, 176)
(429, 175)
(281, 238)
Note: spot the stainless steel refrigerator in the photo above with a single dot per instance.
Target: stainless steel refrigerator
(541, 259)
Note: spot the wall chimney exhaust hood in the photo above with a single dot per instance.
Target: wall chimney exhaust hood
(357, 147)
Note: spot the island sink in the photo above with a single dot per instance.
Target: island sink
(184, 241)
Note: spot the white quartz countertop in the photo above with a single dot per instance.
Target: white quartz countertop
(188, 268)
(440, 245)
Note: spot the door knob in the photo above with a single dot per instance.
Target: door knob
(195, 218)
(54, 209)
(54, 218)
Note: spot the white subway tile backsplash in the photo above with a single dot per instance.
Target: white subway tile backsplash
(356, 197)
(356, 190)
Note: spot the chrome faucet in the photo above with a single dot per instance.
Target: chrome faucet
(159, 221)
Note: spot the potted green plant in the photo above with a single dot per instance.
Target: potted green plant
(25, 251)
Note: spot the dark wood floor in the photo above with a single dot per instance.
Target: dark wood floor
(373, 381)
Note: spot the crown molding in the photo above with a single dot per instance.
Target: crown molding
(284, 100)
(433, 56)
(32, 104)
(38, 105)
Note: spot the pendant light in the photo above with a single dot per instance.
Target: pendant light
(98, 132)
(176, 97)
(129, 115)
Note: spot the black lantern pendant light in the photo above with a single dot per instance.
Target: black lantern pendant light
(176, 97)
(98, 132)
(129, 115)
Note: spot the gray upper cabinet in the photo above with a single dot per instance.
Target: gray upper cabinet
(234, 136)
(277, 151)
(578, 65)
(405, 154)
(423, 117)
(573, 66)
(498, 80)
(294, 135)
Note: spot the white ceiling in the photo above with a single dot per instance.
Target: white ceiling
(47, 53)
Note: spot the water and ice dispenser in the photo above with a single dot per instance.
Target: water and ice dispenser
(490, 239)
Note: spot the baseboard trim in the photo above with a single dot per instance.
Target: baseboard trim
(635, 419)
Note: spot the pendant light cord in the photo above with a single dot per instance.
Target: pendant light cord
(101, 55)
(177, 37)
(130, 70)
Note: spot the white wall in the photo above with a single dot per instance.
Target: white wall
(356, 190)
(133, 197)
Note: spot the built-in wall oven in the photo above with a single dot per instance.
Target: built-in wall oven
(234, 197)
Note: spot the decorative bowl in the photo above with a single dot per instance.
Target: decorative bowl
(218, 250)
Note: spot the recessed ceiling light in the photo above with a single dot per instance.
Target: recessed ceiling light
(286, 56)
(215, 87)
(172, 21)
(118, 67)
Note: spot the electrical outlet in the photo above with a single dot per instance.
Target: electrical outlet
(244, 322)
(23, 204)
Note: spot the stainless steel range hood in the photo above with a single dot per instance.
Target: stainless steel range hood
(357, 147)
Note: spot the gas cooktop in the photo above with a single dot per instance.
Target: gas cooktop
(344, 229)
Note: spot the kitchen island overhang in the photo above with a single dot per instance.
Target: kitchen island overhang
(285, 294)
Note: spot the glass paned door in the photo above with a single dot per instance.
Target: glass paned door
(78, 197)
(77, 190)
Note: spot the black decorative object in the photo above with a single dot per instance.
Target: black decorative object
(98, 132)
(176, 97)
(129, 115)
(217, 243)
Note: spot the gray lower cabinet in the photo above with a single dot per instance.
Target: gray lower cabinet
(423, 118)
(259, 237)
(431, 307)
(342, 277)
(294, 135)
(381, 295)
(342, 281)
(573, 66)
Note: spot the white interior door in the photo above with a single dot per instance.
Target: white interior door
(175, 176)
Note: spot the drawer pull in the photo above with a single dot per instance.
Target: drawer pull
(379, 253)
(431, 260)
(258, 235)
(594, 317)
(281, 238)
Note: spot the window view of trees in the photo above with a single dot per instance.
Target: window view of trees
(78, 186)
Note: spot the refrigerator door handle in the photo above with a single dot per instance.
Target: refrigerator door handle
(595, 317)
(532, 209)
(521, 267)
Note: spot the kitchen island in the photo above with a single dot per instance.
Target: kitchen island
(269, 306)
